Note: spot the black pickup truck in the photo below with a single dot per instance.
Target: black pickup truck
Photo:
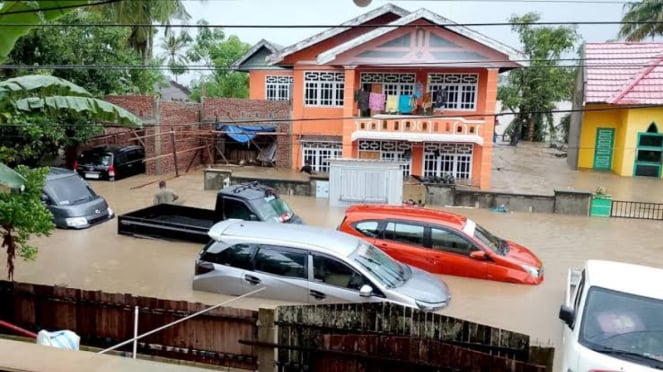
(246, 201)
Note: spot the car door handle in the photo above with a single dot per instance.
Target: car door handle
(318, 295)
(251, 279)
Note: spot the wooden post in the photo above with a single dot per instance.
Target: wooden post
(172, 143)
(267, 356)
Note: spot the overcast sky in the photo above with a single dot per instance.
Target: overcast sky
(332, 12)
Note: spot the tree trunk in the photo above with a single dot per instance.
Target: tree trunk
(70, 156)
(8, 241)
(530, 128)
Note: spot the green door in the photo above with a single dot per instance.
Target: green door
(603, 153)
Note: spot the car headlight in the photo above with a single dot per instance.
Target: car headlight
(76, 221)
(531, 270)
(430, 306)
(110, 212)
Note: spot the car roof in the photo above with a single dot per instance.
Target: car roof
(248, 190)
(110, 149)
(317, 238)
(408, 212)
(57, 173)
(625, 277)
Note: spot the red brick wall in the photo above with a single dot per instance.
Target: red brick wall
(141, 106)
(185, 119)
(230, 110)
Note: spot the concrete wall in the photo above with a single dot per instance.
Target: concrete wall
(562, 202)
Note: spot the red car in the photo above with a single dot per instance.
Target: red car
(442, 242)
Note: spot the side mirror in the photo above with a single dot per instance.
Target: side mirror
(253, 217)
(478, 255)
(44, 199)
(566, 314)
(365, 291)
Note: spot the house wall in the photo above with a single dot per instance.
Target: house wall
(257, 81)
(627, 124)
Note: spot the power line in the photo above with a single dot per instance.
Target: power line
(372, 26)
(604, 62)
(63, 7)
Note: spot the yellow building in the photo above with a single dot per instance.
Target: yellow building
(617, 123)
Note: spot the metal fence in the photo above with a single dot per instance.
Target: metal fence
(641, 210)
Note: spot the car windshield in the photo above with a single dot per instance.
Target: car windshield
(385, 269)
(496, 244)
(274, 209)
(623, 326)
(69, 190)
(95, 157)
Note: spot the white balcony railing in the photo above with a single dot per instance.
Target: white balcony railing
(420, 124)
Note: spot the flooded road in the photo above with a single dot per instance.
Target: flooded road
(99, 259)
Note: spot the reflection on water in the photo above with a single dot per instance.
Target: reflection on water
(100, 259)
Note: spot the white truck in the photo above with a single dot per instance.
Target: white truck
(613, 318)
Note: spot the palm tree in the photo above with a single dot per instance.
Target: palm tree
(648, 11)
(145, 12)
(176, 52)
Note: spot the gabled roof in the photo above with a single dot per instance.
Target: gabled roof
(272, 47)
(624, 73)
(375, 13)
(422, 13)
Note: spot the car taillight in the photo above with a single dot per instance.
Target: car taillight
(76, 165)
(203, 267)
(111, 171)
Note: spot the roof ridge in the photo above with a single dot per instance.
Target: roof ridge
(641, 75)
(328, 33)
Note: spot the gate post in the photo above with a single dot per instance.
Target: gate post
(267, 333)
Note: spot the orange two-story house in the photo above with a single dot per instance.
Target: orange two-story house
(390, 85)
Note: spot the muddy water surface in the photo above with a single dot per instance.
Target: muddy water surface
(99, 259)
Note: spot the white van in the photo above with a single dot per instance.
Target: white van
(613, 318)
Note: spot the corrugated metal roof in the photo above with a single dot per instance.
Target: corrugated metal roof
(624, 73)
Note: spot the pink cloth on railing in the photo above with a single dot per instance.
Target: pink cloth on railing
(376, 101)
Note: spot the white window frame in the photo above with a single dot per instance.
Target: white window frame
(278, 87)
(324, 88)
(391, 151)
(393, 84)
(458, 86)
(319, 153)
(448, 158)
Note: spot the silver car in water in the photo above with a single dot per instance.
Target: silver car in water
(308, 264)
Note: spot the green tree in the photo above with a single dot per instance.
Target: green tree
(22, 215)
(211, 48)
(648, 11)
(176, 52)
(95, 46)
(41, 114)
(28, 14)
(531, 92)
(144, 12)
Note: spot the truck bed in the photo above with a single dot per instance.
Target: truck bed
(169, 222)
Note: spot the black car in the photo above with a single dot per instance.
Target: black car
(72, 201)
(111, 163)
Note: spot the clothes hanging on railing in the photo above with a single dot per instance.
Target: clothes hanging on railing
(405, 104)
(392, 104)
(376, 101)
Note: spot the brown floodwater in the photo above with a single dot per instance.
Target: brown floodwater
(99, 259)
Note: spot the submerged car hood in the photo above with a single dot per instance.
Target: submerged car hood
(521, 255)
(92, 207)
(423, 286)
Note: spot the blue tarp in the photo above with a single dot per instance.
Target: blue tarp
(243, 133)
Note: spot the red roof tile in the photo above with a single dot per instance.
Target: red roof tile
(624, 73)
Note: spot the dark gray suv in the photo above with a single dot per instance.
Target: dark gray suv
(111, 163)
(72, 201)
